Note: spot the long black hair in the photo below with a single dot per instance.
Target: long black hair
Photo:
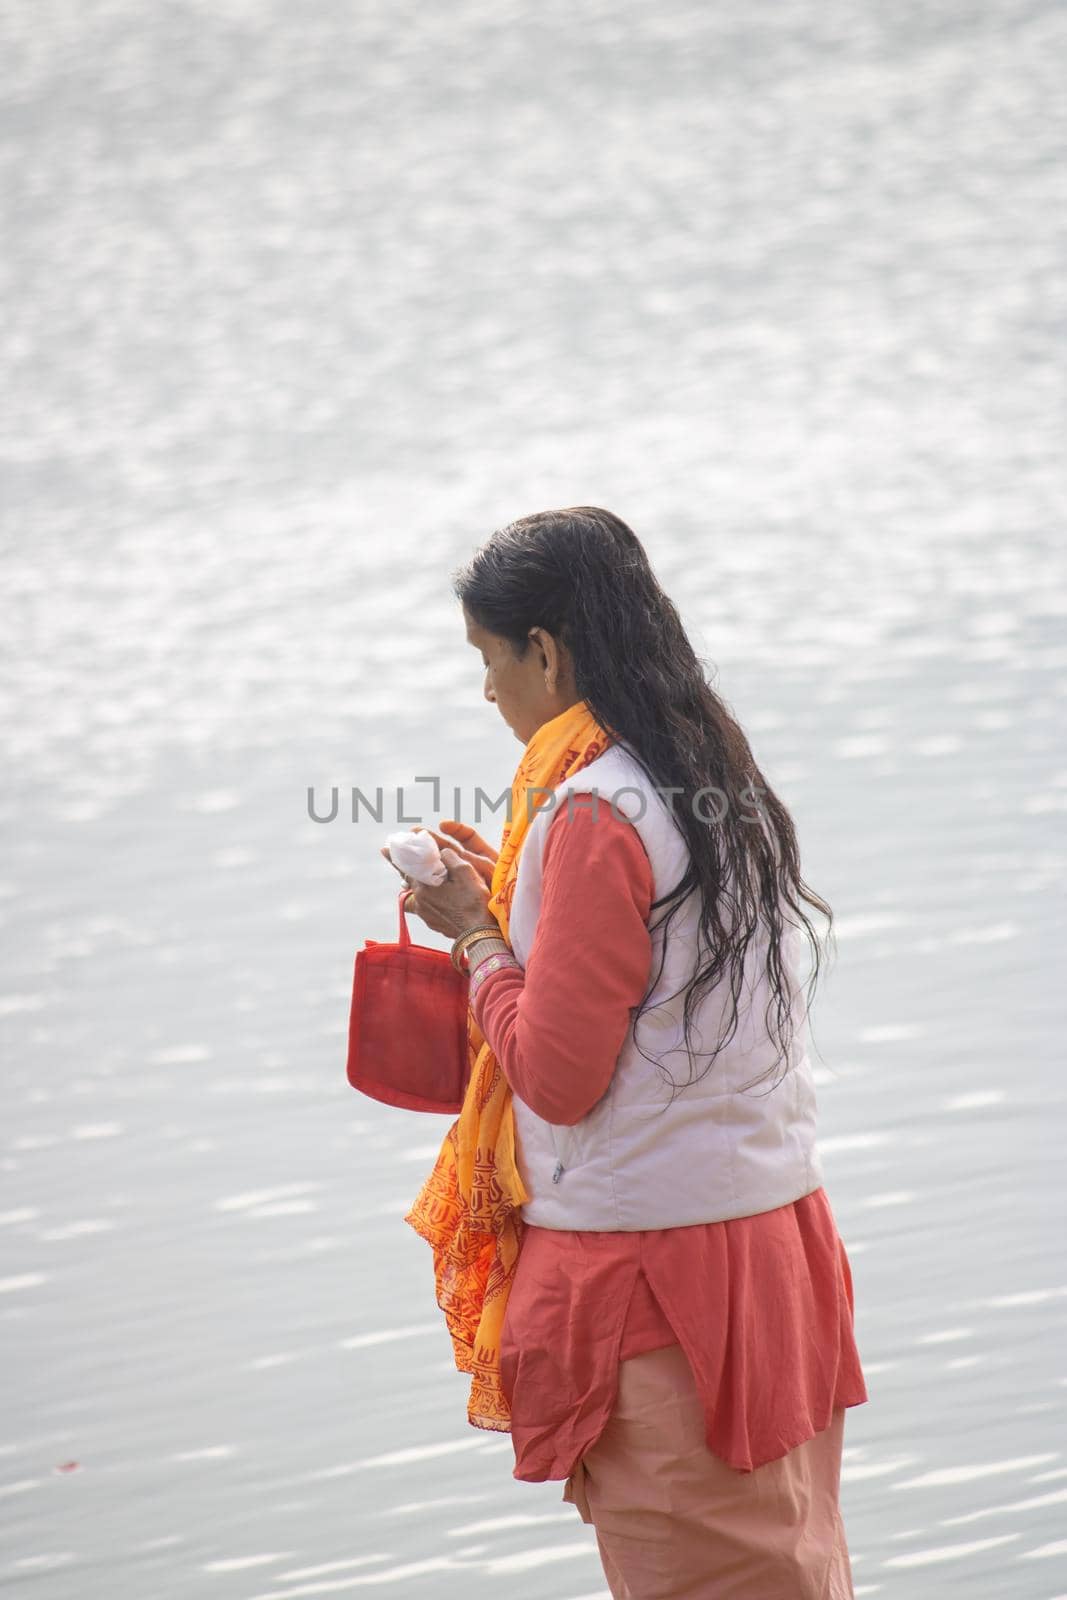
(584, 576)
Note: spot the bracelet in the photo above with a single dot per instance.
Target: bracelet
(464, 939)
(493, 963)
(487, 945)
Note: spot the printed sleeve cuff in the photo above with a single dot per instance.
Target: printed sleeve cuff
(500, 962)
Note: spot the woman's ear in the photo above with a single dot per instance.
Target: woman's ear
(549, 652)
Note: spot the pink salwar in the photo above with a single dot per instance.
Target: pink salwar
(675, 1522)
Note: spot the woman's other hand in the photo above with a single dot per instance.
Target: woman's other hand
(461, 837)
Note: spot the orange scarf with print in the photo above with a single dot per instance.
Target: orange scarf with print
(468, 1209)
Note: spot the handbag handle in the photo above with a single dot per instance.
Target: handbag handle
(405, 932)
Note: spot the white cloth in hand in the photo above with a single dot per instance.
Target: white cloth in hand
(417, 855)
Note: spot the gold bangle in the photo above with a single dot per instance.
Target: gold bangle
(464, 939)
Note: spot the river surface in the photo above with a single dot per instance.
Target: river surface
(300, 302)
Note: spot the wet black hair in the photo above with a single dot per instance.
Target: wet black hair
(584, 576)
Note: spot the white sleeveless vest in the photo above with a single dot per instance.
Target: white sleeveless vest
(637, 1161)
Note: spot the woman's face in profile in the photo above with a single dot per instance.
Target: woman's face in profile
(520, 687)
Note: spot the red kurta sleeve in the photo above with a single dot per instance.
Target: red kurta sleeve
(557, 1027)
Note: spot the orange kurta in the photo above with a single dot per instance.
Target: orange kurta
(761, 1305)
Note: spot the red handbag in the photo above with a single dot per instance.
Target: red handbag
(407, 1029)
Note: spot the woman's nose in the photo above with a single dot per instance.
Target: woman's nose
(487, 690)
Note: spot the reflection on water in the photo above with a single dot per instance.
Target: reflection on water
(300, 303)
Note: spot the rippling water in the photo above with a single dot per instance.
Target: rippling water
(300, 303)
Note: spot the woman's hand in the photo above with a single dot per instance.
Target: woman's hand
(461, 902)
(467, 844)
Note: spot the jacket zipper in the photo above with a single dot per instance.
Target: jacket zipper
(558, 1173)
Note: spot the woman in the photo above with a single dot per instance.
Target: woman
(633, 1248)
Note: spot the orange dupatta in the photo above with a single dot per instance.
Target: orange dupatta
(468, 1208)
